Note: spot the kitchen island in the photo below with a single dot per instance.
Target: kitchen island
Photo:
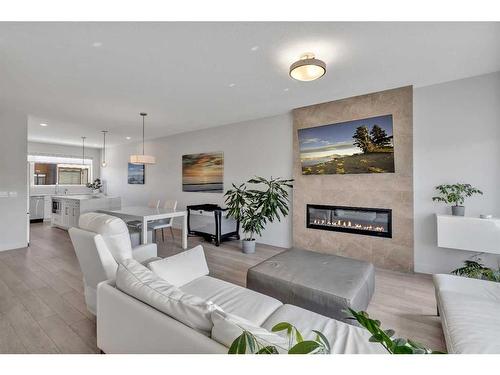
(66, 209)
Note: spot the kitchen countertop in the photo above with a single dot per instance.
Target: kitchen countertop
(81, 197)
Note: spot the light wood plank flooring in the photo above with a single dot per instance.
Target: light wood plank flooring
(42, 308)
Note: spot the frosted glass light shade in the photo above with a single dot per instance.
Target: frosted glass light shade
(142, 159)
(307, 69)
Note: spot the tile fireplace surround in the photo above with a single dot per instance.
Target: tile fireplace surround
(393, 191)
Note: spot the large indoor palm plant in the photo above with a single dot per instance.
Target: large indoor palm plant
(255, 204)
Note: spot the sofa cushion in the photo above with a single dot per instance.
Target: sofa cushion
(233, 299)
(139, 282)
(344, 338)
(113, 230)
(181, 268)
(478, 288)
(227, 327)
(471, 324)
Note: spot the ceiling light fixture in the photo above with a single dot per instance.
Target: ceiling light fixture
(232, 85)
(97, 44)
(43, 124)
(128, 138)
(103, 164)
(307, 68)
(142, 158)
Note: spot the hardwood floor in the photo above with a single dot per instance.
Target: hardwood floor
(42, 308)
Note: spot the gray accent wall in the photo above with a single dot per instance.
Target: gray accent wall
(456, 139)
(13, 180)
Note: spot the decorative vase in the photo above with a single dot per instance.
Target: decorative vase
(248, 246)
(96, 191)
(458, 210)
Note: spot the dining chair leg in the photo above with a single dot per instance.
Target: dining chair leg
(172, 233)
(163, 234)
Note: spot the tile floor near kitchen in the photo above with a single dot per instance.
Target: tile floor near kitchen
(42, 308)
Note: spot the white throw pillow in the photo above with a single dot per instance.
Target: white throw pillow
(227, 327)
(181, 268)
(139, 282)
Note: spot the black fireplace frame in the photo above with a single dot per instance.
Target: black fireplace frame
(364, 232)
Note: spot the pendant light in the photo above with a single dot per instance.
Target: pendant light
(142, 158)
(103, 164)
(83, 150)
(307, 68)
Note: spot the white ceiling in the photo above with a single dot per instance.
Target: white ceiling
(180, 73)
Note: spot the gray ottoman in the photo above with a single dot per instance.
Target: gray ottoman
(323, 283)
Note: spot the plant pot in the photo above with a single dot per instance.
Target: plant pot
(458, 210)
(248, 246)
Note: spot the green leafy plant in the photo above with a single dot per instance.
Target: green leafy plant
(455, 194)
(476, 270)
(385, 337)
(247, 343)
(257, 202)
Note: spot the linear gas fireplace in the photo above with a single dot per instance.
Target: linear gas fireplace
(359, 220)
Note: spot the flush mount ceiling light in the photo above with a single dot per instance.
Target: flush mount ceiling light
(142, 158)
(308, 68)
(103, 164)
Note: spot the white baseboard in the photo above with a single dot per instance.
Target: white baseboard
(13, 246)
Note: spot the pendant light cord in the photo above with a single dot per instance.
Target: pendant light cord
(143, 115)
(83, 150)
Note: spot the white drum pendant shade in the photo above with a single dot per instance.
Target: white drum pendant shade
(142, 158)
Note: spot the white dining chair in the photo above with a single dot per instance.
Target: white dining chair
(137, 224)
(164, 223)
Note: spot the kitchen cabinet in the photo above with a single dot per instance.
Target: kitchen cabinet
(66, 210)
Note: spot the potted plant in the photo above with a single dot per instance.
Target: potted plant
(255, 203)
(455, 194)
(95, 186)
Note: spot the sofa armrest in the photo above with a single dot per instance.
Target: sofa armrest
(144, 252)
(182, 268)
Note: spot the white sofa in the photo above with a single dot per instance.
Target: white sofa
(100, 243)
(126, 324)
(470, 314)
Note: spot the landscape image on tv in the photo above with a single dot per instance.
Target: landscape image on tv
(203, 172)
(358, 146)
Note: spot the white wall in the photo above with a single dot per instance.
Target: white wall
(456, 139)
(13, 180)
(51, 149)
(261, 147)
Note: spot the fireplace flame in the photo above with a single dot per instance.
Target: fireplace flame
(349, 224)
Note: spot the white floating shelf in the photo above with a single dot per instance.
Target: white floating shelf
(469, 233)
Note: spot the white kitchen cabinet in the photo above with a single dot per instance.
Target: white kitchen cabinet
(71, 207)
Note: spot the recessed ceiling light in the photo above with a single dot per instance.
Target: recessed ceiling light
(307, 68)
(254, 48)
(128, 138)
(232, 84)
(97, 44)
(43, 124)
(287, 89)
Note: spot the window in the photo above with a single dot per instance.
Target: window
(53, 170)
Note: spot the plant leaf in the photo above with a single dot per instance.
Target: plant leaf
(304, 347)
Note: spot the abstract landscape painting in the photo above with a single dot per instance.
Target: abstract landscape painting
(136, 174)
(359, 146)
(203, 172)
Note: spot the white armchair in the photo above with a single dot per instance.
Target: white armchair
(101, 242)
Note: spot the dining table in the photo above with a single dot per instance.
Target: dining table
(147, 214)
